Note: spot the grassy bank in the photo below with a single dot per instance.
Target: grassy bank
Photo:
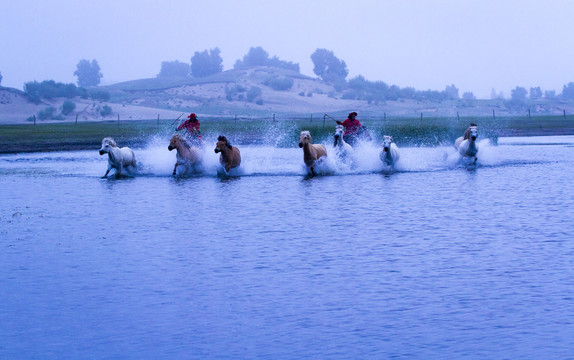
(277, 132)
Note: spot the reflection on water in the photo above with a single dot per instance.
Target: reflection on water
(433, 260)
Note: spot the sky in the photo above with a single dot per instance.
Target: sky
(427, 44)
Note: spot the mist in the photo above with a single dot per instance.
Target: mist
(476, 45)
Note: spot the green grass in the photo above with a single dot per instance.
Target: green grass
(280, 132)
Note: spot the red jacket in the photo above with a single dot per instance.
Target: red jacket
(351, 126)
(191, 126)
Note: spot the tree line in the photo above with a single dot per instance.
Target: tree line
(328, 67)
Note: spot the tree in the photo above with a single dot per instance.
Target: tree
(568, 91)
(451, 92)
(257, 56)
(468, 96)
(496, 96)
(328, 67)
(206, 63)
(550, 94)
(173, 69)
(518, 96)
(88, 73)
(535, 93)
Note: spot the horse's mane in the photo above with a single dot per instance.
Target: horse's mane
(110, 141)
(223, 138)
(182, 141)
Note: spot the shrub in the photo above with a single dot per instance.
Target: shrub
(47, 113)
(106, 110)
(253, 93)
(280, 83)
(68, 107)
(99, 94)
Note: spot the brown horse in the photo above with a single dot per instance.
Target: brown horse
(187, 156)
(230, 156)
(311, 152)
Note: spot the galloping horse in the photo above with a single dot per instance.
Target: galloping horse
(189, 157)
(311, 152)
(390, 153)
(342, 148)
(118, 158)
(466, 145)
(230, 156)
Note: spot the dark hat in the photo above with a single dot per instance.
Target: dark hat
(352, 113)
(192, 116)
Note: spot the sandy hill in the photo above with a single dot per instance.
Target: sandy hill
(254, 92)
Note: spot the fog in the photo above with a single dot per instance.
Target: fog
(475, 45)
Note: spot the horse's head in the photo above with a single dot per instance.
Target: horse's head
(106, 144)
(387, 141)
(174, 142)
(473, 129)
(339, 132)
(304, 138)
(222, 143)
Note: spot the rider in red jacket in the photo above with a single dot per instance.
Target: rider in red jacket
(192, 128)
(352, 127)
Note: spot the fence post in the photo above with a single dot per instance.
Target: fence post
(34, 119)
(273, 117)
(118, 119)
(76, 119)
(324, 116)
(528, 113)
(421, 116)
(564, 114)
(457, 116)
(158, 119)
(311, 118)
(235, 117)
(493, 115)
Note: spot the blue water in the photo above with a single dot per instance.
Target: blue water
(435, 260)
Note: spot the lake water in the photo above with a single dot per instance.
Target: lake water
(436, 260)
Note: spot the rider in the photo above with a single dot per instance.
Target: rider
(352, 127)
(192, 128)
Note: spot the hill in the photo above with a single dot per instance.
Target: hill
(253, 92)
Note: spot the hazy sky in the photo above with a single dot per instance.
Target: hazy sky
(476, 45)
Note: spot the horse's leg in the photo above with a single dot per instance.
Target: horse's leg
(107, 172)
(227, 167)
(175, 168)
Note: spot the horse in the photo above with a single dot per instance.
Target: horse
(311, 152)
(189, 157)
(118, 158)
(390, 153)
(230, 156)
(466, 145)
(342, 148)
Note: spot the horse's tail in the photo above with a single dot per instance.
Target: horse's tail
(134, 162)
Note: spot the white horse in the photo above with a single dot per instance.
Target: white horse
(342, 148)
(466, 145)
(311, 152)
(390, 153)
(118, 158)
